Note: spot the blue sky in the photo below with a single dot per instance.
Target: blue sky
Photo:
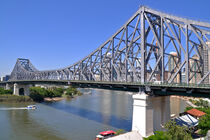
(56, 33)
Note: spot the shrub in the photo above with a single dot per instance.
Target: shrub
(202, 103)
(173, 132)
(177, 132)
(120, 131)
(71, 91)
(3, 91)
(57, 92)
(37, 97)
(14, 98)
(204, 124)
(188, 108)
(9, 91)
(159, 135)
(37, 94)
(49, 93)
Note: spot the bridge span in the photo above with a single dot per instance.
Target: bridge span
(150, 46)
(193, 90)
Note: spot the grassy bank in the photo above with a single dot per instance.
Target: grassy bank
(6, 96)
(14, 98)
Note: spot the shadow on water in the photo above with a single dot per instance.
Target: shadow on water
(99, 117)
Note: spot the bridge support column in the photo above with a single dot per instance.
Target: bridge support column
(21, 89)
(142, 115)
(16, 89)
(27, 89)
(7, 86)
(150, 113)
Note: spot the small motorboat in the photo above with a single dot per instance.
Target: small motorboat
(105, 134)
(31, 107)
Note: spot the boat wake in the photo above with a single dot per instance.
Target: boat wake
(14, 108)
(18, 108)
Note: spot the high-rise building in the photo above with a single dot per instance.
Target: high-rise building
(5, 78)
(207, 62)
(194, 65)
(173, 66)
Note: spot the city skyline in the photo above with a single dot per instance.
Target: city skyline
(53, 35)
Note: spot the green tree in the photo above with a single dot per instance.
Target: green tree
(177, 132)
(159, 135)
(49, 93)
(8, 91)
(57, 92)
(71, 91)
(37, 94)
(204, 124)
(3, 91)
(173, 132)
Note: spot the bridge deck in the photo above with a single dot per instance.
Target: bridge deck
(157, 89)
(202, 90)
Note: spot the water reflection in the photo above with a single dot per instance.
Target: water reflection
(80, 118)
(177, 105)
(107, 108)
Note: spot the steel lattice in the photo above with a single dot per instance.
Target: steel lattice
(151, 46)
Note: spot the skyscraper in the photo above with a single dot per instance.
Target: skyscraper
(207, 62)
(173, 66)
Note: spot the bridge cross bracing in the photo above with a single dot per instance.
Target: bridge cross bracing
(150, 46)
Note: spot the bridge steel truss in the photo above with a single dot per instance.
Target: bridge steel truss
(150, 46)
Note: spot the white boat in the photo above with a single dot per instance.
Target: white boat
(31, 107)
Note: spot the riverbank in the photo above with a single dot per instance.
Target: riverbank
(14, 98)
(182, 97)
(191, 100)
(51, 94)
(55, 99)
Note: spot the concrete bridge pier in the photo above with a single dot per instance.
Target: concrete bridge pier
(16, 89)
(21, 89)
(8, 86)
(150, 113)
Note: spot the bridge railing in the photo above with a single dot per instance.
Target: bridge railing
(190, 85)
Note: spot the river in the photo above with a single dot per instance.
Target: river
(80, 118)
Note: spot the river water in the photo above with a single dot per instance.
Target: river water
(80, 118)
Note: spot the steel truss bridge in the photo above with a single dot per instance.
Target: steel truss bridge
(151, 46)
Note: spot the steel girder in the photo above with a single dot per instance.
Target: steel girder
(151, 46)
